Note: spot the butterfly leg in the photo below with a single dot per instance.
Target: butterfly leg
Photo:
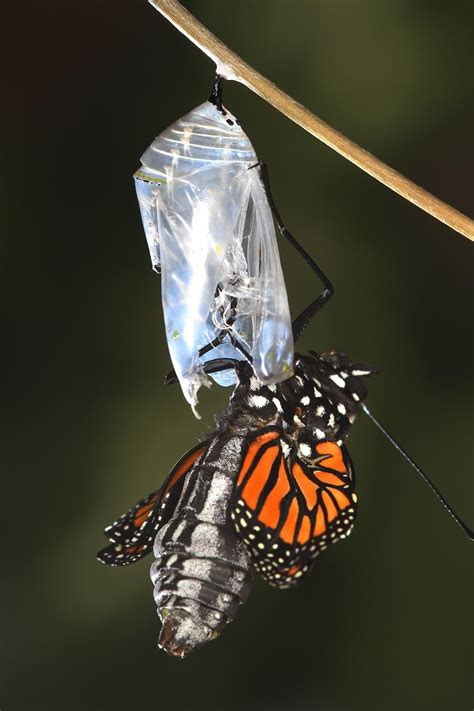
(227, 330)
(211, 366)
(171, 377)
(300, 323)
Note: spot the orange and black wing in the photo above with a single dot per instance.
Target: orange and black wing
(133, 534)
(288, 507)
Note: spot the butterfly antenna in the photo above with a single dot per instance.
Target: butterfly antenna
(425, 478)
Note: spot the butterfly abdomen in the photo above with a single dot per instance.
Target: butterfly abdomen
(202, 571)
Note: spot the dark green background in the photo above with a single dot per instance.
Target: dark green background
(384, 621)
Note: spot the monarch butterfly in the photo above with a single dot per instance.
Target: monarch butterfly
(210, 230)
(270, 489)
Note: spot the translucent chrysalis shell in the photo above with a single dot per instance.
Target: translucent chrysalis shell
(210, 231)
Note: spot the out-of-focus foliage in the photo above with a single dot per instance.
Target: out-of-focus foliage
(89, 427)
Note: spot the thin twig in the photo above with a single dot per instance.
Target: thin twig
(232, 67)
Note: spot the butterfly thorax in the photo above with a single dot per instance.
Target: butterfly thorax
(320, 401)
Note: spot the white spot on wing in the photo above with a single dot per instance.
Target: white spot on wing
(338, 380)
(304, 449)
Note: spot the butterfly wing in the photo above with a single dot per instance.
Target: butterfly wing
(288, 507)
(133, 534)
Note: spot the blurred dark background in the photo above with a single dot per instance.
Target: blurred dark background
(384, 621)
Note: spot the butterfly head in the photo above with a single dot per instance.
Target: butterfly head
(322, 396)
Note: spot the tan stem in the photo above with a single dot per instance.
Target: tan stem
(232, 67)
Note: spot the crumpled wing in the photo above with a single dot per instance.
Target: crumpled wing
(287, 508)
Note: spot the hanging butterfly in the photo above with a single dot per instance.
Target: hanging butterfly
(267, 491)
(270, 489)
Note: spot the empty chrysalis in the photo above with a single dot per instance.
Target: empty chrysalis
(210, 232)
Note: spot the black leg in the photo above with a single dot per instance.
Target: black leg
(171, 377)
(213, 344)
(300, 323)
(229, 322)
(212, 366)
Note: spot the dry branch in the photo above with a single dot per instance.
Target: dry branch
(232, 67)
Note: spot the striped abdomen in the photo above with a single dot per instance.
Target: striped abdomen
(202, 571)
